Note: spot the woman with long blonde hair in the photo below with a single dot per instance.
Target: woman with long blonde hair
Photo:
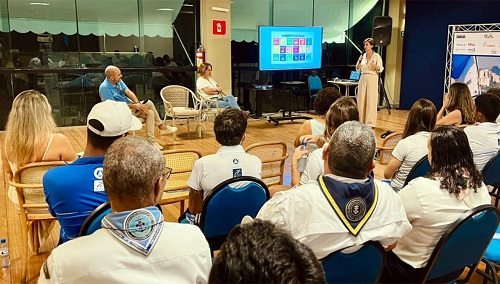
(458, 107)
(30, 135)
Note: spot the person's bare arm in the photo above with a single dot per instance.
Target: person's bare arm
(5, 162)
(63, 146)
(135, 105)
(392, 167)
(195, 201)
(297, 154)
(452, 118)
(305, 129)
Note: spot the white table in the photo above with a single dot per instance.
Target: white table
(346, 84)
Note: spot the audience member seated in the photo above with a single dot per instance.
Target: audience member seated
(409, 150)
(495, 91)
(344, 109)
(345, 207)
(208, 88)
(135, 244)
(458, 107)
(107, 121)
(259, 252)
(433, 203)
(325, 98)
(229, 161)
(114, 89)
(484, 137)
(30, 136)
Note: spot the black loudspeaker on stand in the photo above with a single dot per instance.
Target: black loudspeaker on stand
(382, 30)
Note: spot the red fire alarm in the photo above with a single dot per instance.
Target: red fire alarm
(219, 27)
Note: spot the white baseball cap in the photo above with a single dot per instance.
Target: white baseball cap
(115, 117)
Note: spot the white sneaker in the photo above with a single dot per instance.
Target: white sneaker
(157, 145)
(169, 130)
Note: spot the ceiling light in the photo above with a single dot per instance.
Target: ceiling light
(187, 5)
(40, 3)
(164, 9)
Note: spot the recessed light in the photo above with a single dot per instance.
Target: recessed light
(40, 3)
(187, 5)
(164, 9)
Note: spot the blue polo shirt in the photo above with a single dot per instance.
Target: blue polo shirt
(108, 91)
(73, 191)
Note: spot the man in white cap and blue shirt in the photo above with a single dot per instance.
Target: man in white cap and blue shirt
(75, 190)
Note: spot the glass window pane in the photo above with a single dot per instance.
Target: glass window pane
(246, 16)
(293, 12)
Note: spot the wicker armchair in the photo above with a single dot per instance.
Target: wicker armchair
(205, 105)
(176, 189)
(176, 101)
(388, 145)
(33, 209)
(273, 155)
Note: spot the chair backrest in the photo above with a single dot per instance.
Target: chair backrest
(314, 83)
(420, 169)
(225, 206)
(388, 145)
(491, 171)
(462, 245)
(273, 155)
(175, 96)
(28, 183)
(362, 266)
(93, 222)
(181, 161)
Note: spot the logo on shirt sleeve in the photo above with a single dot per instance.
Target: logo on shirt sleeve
(237, 173)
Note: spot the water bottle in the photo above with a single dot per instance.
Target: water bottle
(303, 160)
(4, 251)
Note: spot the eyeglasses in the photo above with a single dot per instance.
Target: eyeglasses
(168, 172)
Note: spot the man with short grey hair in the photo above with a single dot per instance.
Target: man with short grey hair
(135, 244)
(345, 207)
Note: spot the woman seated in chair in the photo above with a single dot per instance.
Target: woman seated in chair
(458, 107)
(209, 89)
(316, 126)
(413, 146)
(434, 202)
(31, 136)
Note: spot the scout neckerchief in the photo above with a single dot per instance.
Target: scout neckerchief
(139, 229)
(354, 203)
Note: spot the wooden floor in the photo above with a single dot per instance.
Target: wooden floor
(257, 131)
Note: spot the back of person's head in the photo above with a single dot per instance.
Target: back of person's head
(351, 150)
(452, 160)
(132, 166)
(342, 110)
(203, 67)
(111, 70)
(29, 127)
(259, 252)
(422, 117)
(108, 121)
(461, 99)
(167, 58)
(159, 61)
(488, 105)
(230, 126)
(495, 91)
(325, 98)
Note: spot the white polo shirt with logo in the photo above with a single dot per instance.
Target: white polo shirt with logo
(228, 162)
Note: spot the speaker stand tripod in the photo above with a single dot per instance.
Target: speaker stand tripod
(382, 92)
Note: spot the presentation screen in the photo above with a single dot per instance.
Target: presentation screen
(289, 48)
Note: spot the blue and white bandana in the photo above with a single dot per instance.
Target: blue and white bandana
(138, 229)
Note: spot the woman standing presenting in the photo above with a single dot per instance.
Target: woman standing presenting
(370, 65)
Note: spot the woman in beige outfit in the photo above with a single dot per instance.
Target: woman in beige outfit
(370, 65)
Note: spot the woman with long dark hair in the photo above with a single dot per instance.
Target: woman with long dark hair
(432, 203)
(458, 107)
(413, 146)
